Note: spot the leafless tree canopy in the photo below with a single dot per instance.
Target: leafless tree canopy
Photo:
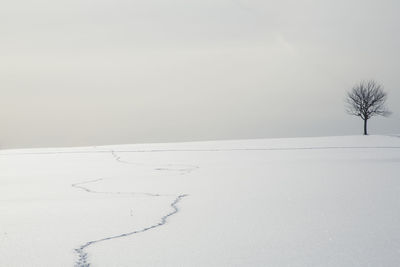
(365, 100)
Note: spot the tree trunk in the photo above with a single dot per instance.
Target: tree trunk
(365, 127)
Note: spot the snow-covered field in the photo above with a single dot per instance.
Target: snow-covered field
(332, 201)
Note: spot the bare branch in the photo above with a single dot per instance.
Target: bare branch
(365, 100)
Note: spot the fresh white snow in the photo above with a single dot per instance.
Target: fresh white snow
(329, 201)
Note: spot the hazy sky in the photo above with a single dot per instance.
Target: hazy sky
(81, 72)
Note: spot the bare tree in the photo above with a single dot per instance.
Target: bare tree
(365, 100)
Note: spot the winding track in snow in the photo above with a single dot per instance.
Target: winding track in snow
(79, 186)
(82, 255)
(182, 168)
(82, 260)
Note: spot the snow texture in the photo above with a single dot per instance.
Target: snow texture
(329, 201)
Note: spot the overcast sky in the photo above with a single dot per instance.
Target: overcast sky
(83, 72)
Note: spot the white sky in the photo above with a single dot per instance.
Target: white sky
(82, 72)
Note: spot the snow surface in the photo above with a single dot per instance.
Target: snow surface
(332, 201)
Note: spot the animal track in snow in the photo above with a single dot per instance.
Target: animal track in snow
(180, 168)
(82, 255)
